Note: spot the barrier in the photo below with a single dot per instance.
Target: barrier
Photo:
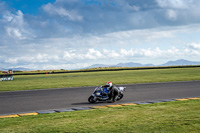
(6, 77)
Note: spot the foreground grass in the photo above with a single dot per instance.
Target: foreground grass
(179, 117)
(31, 82)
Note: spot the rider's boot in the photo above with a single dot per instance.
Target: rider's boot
(114, 99)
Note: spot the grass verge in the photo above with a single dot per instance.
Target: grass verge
(178, 116)
(31, 82)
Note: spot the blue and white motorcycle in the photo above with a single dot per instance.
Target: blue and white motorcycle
(101, 94)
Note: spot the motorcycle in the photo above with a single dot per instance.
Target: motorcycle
(101, 94)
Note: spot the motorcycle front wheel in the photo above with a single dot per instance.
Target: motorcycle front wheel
(91, 99)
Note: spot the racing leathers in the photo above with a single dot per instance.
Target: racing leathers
(113, 93)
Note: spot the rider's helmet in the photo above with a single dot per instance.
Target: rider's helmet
(109, 84)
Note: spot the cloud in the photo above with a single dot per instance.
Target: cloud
(14, 32)
(73, 59)
(179, 12)
(14, 25)
(194, 46)
(93, 54)
(61, 66)
(98, 17)
(62, 12)
(133, 45)
(74, 55)
(178, 4)
(123, 54)
(193, 49)
(77, 17)
(70, 32)
(172, 15)
(102, 17)
(40, 58)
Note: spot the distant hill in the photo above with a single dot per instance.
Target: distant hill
(129, 64)
(179, 62)
(98, 65)
(132, 64)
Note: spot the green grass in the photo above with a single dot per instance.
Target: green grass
(170, 117)
(31, 82)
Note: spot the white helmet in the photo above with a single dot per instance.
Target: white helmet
(109, 84)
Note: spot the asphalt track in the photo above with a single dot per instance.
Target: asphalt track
(62, 98)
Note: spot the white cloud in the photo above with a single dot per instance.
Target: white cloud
(62, 12)
(144, 35)
(12, 60)
(61, 66)
(15, 26)
(93, 54)
(122, 54)
(149, 53)
(7, 16)
(14, 32)
(39, 58)
(119, 47)
(194, 46)
(127, 53)
(192, 49)
(171, 14)
(70, 55)
(180, 4)
(71, 32)
(74, 55)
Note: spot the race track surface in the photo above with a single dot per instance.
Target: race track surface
(61, 98)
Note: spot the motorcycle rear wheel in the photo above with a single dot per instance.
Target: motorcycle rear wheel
(120, 97)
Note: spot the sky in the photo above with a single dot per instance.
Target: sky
(74, 34)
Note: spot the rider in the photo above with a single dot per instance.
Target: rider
(113, 91)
